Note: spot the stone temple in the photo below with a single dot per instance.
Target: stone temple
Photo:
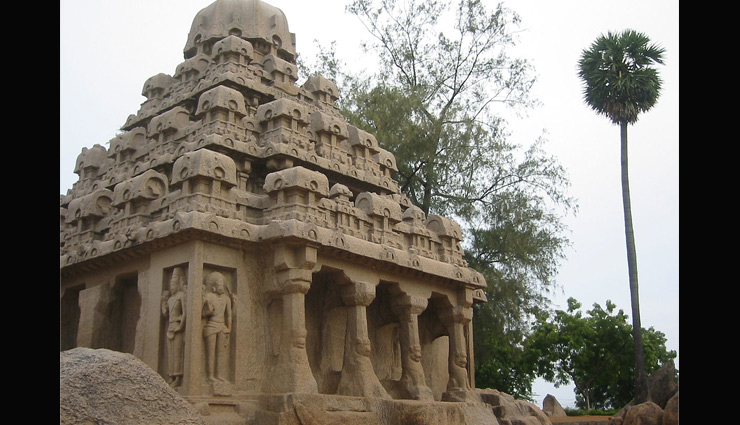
(250, 246)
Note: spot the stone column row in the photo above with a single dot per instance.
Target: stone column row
(293, 373)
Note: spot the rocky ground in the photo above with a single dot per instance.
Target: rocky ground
(93, 383)
(572, 419)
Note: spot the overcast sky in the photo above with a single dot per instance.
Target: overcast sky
(109, 48)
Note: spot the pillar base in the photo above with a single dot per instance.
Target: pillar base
(292, 376)
(222, 388)
(359, 380)
(416, 391)
(460, 395)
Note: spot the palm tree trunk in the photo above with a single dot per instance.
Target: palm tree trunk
(641, 388)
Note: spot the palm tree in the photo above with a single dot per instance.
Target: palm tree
(620, 83)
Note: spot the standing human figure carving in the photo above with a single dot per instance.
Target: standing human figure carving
(173, 307)
(217, 310)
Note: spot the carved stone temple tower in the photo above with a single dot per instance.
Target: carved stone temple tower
(249, 245)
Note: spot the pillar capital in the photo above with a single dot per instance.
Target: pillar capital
(456, 314)
(404, 305)
(358, 293)
(288, 256)
(290, 281)
(293, 265)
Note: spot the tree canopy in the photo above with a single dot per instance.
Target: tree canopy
(619, 80)
(443, 81)
(593, 351)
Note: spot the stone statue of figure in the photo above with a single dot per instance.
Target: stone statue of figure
(173, 307)
(458, 373)
(217, 310)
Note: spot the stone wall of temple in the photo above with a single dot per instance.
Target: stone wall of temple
(241, 238)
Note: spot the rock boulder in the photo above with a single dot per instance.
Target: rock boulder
(663, 389)
(107, 387)
(644, 414)
(670, 412)
(647, 413)
(662, 384)
(511, 411)
(552, 407)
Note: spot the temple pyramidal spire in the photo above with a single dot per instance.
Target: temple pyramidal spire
(249, 245)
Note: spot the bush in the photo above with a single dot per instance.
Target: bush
(590, 412)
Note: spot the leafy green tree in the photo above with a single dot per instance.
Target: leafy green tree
(449, 83)
(506, 367)
(593, 351)
(435, 102)
(620, 83)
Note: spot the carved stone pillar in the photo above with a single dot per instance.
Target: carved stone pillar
(408, 308)
(92, 315)
(455, 318)
(358, 377)
(292, 373)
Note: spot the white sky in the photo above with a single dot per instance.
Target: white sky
(109, 48)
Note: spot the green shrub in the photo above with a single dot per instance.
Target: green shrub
(591, 412)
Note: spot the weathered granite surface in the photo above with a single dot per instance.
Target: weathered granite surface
(551, 406)
(108, 387)
(248, 244)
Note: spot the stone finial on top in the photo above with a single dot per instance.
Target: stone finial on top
(253, 20)
(155, 87)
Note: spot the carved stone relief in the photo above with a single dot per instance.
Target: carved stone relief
(174, 309)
